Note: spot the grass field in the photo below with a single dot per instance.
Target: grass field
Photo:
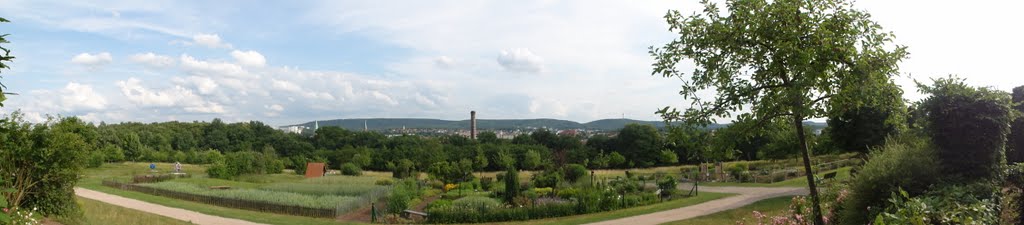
(99, 213)
(769, 207)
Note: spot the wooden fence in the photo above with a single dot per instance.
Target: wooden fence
(227, 202)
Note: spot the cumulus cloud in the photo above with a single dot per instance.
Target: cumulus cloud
(177, 96)
(210, 68)
(204, 85)
(77, 96)
(153, 60)
(210, 41)
(444, 62)
(249, 58)
(520, 60)
(91, 60)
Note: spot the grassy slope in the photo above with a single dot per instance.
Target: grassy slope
(602, 216)
(770, 207)
(95, 212)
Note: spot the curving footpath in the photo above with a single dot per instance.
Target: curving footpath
(746, 196)
(176, 213)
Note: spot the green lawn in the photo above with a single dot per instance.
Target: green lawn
(99, 213)
(841, 174)
(769, 207)
(602, 216)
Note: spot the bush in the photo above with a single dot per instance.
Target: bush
(486, 183)
(439, 203)
(737, 170)
(573, 172)
(96, 159)
(1015, 153)
(401, 194)
(383, 182)
(969, 127)
(351, 169)
(498, 214)
(667, 186)
(1015, 197)
(946, 206)
(511, 184)
(47, 158)
(548, 178)
(909, 163)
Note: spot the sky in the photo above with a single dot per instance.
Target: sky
(288, 62)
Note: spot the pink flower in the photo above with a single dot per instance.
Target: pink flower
(5, 209)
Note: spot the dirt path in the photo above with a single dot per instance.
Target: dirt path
(176, 213)
(746, 196)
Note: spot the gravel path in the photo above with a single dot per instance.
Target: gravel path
(176, 213)
(746, 196)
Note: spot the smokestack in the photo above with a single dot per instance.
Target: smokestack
(472, 125)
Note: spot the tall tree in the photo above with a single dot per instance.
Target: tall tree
(5, 57)
(863, 127)
(772, 59)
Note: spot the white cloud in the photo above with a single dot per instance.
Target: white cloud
(284, 85)
(209, 68)
(204, 85)
(249, 58)
(444, 62)
(91, 60)
(77, 96)
(383, 98)
(520, 60)
(210, 41)
(177, 96)
(153, 60)
(275, 107)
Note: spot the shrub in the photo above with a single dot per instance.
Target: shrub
(909, 163)
(96, 159)
(401, 194)
(486, 183)
(548, 178)
(573, 172)
(439, 203)
(1015, 153)
(511, 184)
(969, 127)
(383, 182)
(1015, 197)
(47, 159)
(947, 206)
(351, 169)
(736, 170)
(667, 186)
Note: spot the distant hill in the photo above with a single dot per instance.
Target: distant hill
(490, 124)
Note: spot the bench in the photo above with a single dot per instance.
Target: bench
(408, 213)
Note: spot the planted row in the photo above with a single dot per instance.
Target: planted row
(277, 197)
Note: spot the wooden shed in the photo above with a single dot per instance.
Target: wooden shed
(315, 170)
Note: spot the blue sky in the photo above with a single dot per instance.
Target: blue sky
(287, 62)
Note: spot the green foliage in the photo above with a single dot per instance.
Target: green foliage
(531, 160)
(667, 157)
(947, 206)
(616, 160)
(969, 127)
(862, 128)
(43, 161)
(511, 178)
(1015, 151)
(347, 189)
(573, 172)
(486, 183)
(5, 57)
(351, 169)
(642, 144)
(452, 172)
(245, 162)
(401, 194)
(776, 59)
(452, 214)
(547, 178)
(95, 159)
(908, 163)
(402, 169)
(667, 185)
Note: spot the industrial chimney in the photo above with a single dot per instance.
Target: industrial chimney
(472, 125)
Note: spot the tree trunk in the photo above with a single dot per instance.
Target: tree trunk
(811, 184)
